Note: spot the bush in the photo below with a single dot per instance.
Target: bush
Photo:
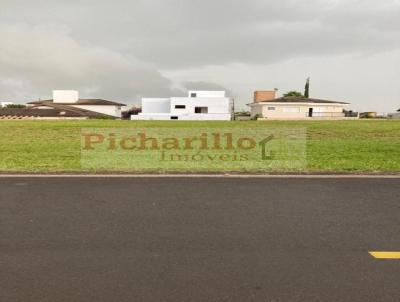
(15, 106)
(293, 94)
(126, 115)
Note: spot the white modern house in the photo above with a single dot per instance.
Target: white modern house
(198, 105)
(69, 99)
(266, 106)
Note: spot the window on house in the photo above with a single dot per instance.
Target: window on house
(180, 107)
(174, 117)
(200, 109)
(193, 95)
(271, 108)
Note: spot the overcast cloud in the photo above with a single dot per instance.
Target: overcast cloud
(123, 50)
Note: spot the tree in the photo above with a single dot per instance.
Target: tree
(126, 115)
(307, 89)
(293, 94)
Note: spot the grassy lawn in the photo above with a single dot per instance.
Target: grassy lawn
(331, 146)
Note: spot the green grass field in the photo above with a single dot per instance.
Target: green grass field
(331, 146)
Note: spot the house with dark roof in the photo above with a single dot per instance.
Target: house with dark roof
(69, 101)
(48, 113)
(265, 105)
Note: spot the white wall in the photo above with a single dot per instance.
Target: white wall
(156, 105)
(65, 96)
(206, 117)
(183, 117)
(218, 107)
(152, 116)
(214, 105)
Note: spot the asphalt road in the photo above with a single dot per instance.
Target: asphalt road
(198, 239)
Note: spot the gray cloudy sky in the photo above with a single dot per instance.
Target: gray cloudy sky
(125, 49)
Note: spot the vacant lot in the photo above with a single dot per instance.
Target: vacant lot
(332, 146)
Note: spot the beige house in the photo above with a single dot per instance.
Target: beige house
(266, 106)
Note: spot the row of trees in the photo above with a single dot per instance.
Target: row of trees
(15, 106)
(294, 93)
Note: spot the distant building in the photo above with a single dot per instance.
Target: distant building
(69, 99)
(198, 105)
(266, 105)
(370, 114)
(394, 115)
(5, 104)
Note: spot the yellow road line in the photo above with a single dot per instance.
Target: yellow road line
(385, 255)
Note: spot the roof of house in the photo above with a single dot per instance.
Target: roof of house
(83, 102)
(26, 112)
(55, 110)
(294, 99)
